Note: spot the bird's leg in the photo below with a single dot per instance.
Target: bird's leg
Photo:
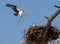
(20, 18)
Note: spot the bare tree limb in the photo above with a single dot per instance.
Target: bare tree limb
(49, 22)
(52, 18)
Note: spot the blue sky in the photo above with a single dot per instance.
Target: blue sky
(11, 32)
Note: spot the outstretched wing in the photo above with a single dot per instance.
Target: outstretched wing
(57, 6)
(13, 7)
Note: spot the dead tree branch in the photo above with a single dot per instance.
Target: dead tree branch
(49, 21)
(52, 18)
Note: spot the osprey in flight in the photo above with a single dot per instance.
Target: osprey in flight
(16, 9)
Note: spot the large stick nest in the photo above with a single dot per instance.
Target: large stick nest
(35, 34)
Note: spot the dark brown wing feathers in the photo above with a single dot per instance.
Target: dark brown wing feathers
(13, 7)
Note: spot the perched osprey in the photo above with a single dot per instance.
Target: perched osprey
(57, 6)
(16, 9)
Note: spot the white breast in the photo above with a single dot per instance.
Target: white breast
(20, 12)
